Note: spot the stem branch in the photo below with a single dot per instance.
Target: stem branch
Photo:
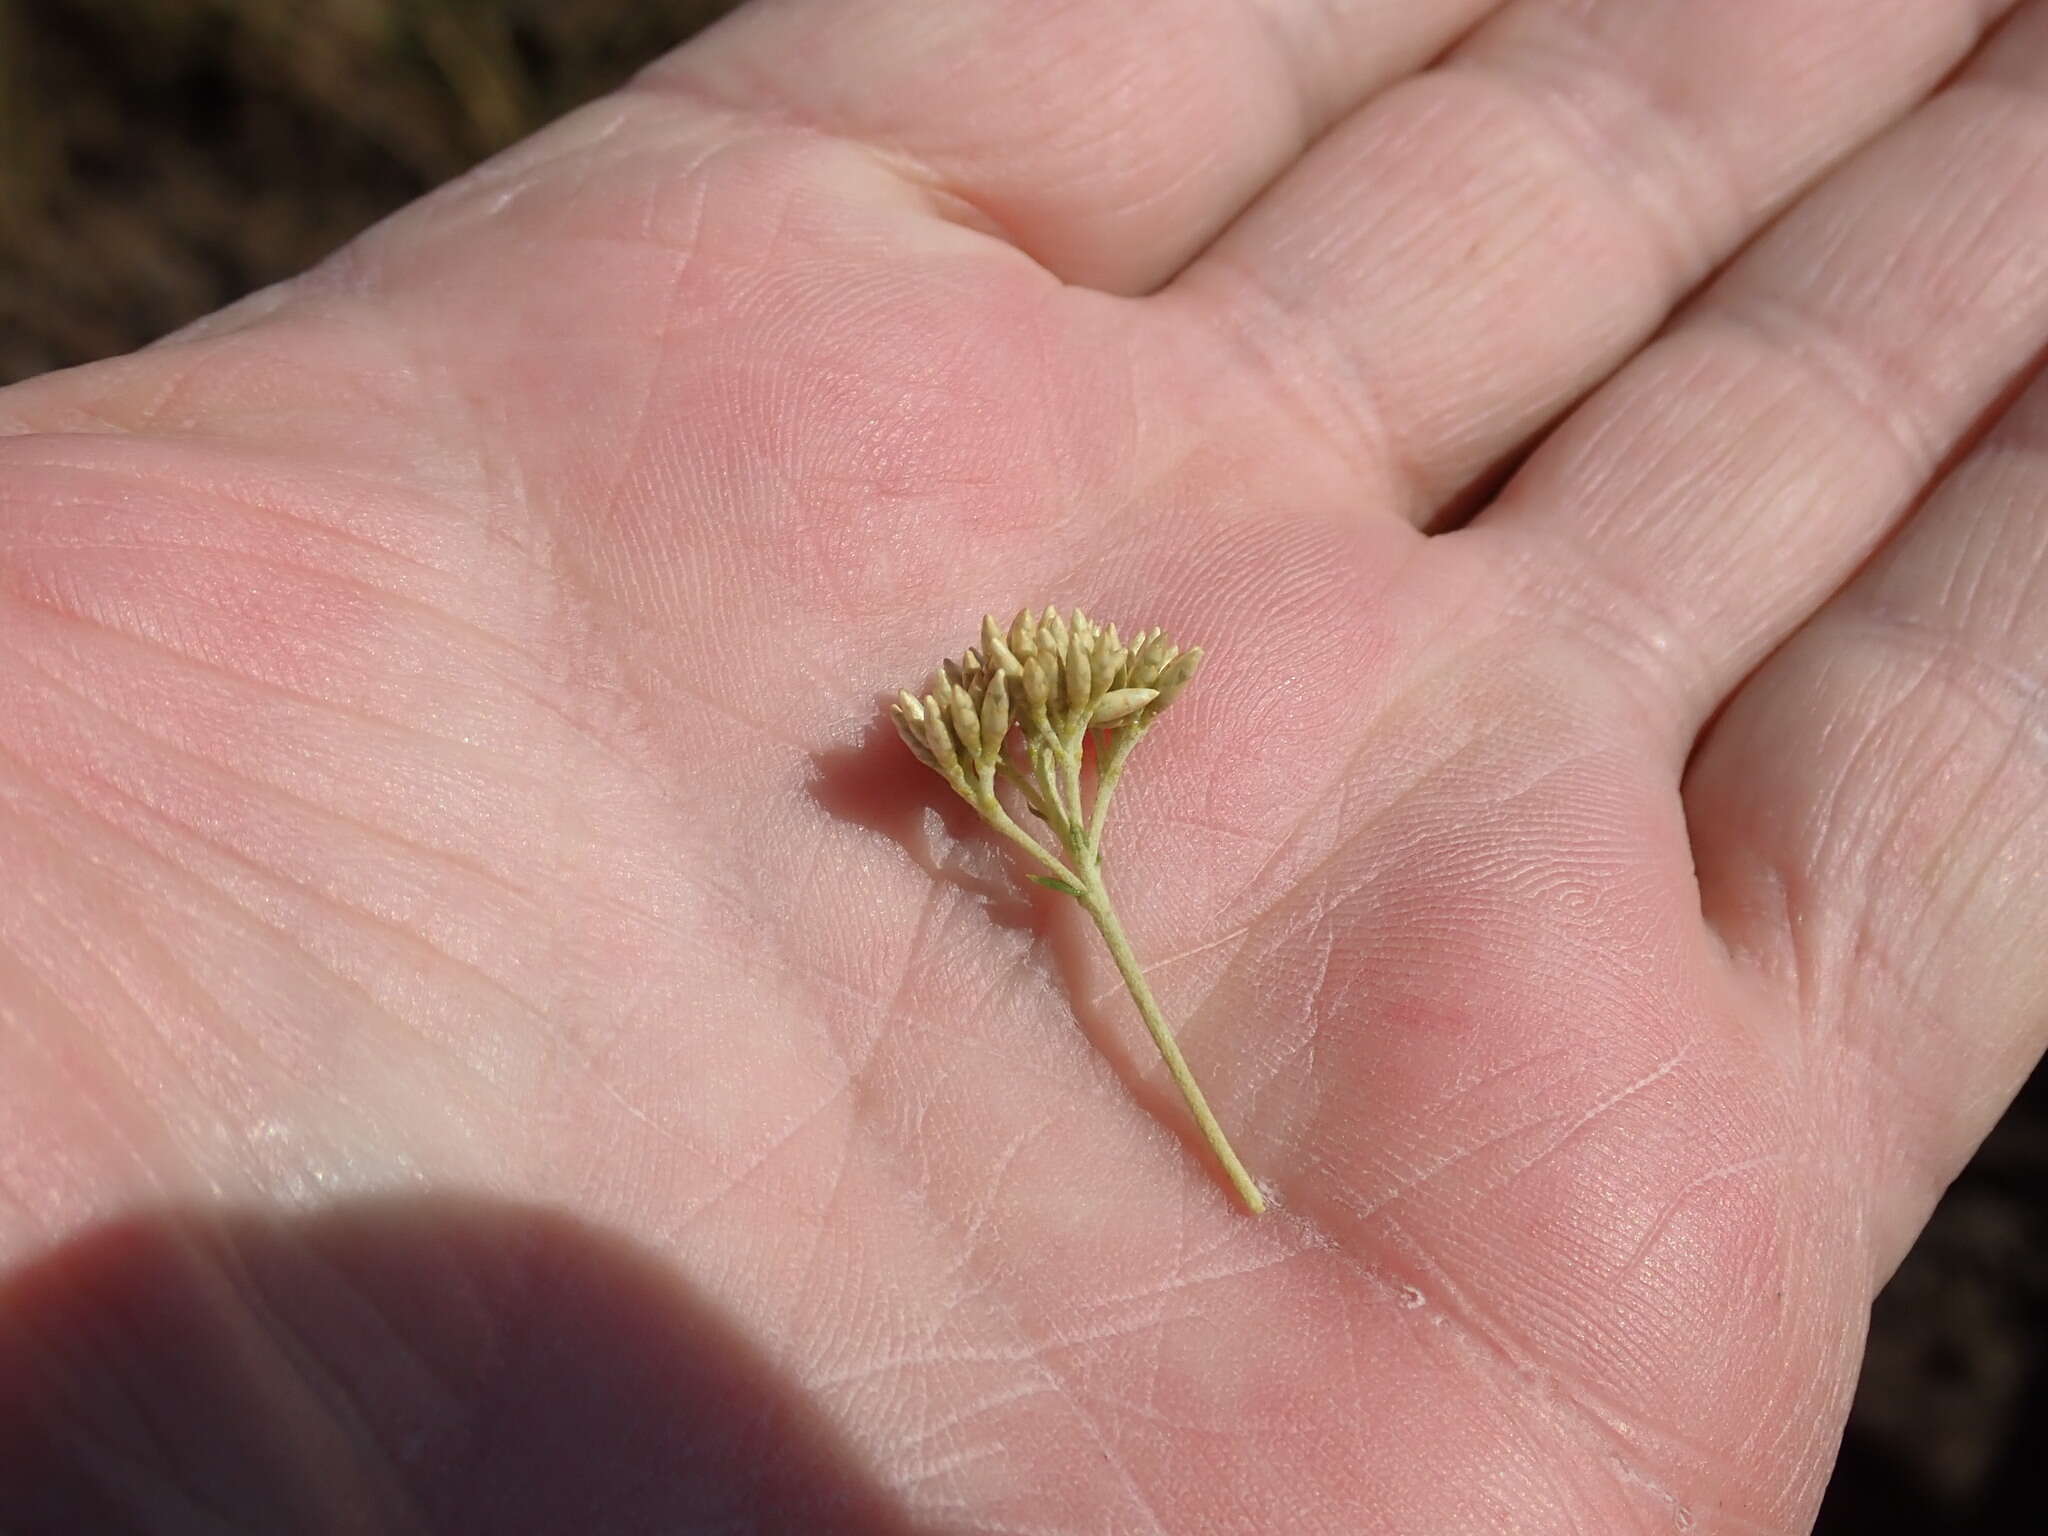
(992, 811)
(1109, 767)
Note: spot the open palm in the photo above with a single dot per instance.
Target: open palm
(451, 832)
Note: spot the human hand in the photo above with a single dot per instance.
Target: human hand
(441, 751)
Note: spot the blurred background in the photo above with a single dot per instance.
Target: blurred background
(159, 158)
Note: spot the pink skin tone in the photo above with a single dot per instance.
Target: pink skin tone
(441, 740)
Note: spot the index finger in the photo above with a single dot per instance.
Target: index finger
(1109, 142)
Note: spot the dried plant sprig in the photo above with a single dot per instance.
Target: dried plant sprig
(1050, 680)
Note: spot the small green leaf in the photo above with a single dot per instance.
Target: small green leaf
(1054, 883)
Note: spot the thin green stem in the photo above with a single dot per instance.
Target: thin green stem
(1024, 781)
(1061, 817)
(993, 813)
(1070, 765)
(1109, 769)
(1096, 900)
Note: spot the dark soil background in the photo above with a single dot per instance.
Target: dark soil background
(159, 158)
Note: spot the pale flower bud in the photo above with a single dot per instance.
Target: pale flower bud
(995, 716)
(1107, 658)
(911, 728)
(1079, 682)
(1001, 659)
(1148, 658)
(1175, 676)
(1024, 635)
(939, 739)
(1121, 703)
(966, 722)
(1037, 688)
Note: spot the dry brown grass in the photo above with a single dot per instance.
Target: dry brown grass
(162, 157)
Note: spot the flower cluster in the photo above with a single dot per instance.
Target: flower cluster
(1056, 677)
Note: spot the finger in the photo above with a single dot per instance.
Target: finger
(1693, 512)
(1471, 252)
(1872, 822)
(1110, 143)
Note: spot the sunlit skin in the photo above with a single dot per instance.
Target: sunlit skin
(1596, 878)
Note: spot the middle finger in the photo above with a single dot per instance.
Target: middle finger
(1468, 254)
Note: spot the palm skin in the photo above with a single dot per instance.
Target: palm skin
(442, 750)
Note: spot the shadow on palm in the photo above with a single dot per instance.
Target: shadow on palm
(431, 1363)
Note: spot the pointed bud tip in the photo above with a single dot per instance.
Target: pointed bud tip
(1122, 703)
